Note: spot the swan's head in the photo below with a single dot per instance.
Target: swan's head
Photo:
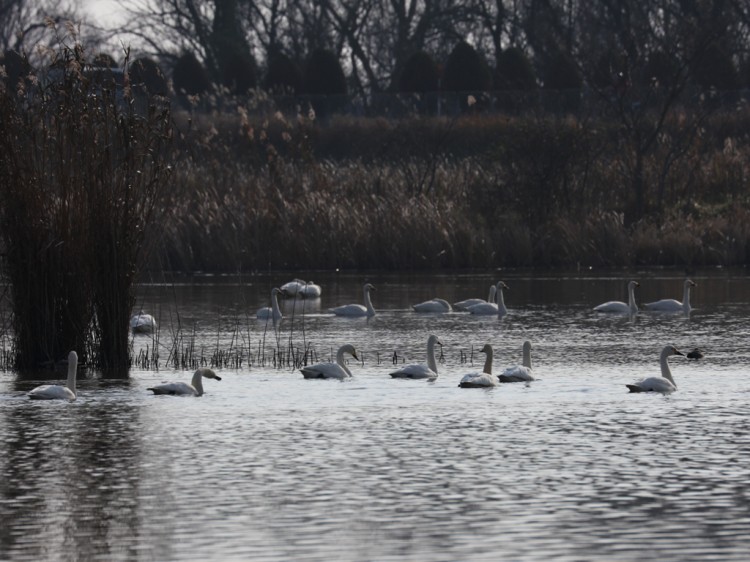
(500, 286)
(434, 340)
(369, 287)
(671, 350)
(276, 291)
(633, 285)
(350, 350)
(207, 373)
(689, 283)
(527, 346)
(486, 349)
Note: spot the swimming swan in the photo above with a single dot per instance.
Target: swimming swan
(142, 323)
(488, 308)
(519, 373)
(301, 289)
(272, 311)
(619, 306)
(56, 391)
(337, 370)
(357, 309)
(185, 389)
(419, 370)
(434, 305)
(483, 379)
(664, 383)
(672, 305)
(465, 304)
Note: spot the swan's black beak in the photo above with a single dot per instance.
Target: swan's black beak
(217, 377)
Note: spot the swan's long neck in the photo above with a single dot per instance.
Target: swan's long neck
(431, 363)
(631, 299)
(341, 362)
(491, 297)
(275, 304)
(686, 297)
(72, 370)
(527, 356)
(368, 302)
(488, 362)
(198, 382)
(500, 300)
(665, 370)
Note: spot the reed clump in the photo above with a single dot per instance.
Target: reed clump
(259, 191)
(81, 170)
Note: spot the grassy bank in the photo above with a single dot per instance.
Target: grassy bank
(476, 192)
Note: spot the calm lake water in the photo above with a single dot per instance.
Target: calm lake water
(269, 466)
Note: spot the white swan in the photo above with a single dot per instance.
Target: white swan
(337, 370)
(664, 383)
(142, 323)
(519, 373)
(185, 389)
(619, 306)
(301, 289)
(272, 311)
(357, 309)
(434, 305)
(672, 305)
(483, 379)
(419, 370)
(56, 391)
(465, 304)
(487, 308)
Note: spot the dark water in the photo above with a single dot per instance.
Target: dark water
(269, 466)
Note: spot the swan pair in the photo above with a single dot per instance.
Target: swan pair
(301, 289)
(517, 373)
(490, 308)
(663, 305)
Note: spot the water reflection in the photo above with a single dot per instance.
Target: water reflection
(270, 466)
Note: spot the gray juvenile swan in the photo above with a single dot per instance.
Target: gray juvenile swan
(56, 391)
(185, 389)
(337, 370)
(419, 370)
(664, 383)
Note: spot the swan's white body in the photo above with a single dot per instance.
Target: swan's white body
(357, 309)
(420, 370)
(489, 308)
(465, 304)
(519, 373)
(483, 379)
(273, 311)
(620, 307)
(142, 323)
(337, 370)
(672, 305)
(185, 389)
(434, 305)
(301, 289)
(56, 391)
(664, 383)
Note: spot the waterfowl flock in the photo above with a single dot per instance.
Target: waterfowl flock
(338, 369)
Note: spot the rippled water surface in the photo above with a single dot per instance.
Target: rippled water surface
(269, 466)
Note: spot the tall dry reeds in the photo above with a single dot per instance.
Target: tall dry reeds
(80, 173)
